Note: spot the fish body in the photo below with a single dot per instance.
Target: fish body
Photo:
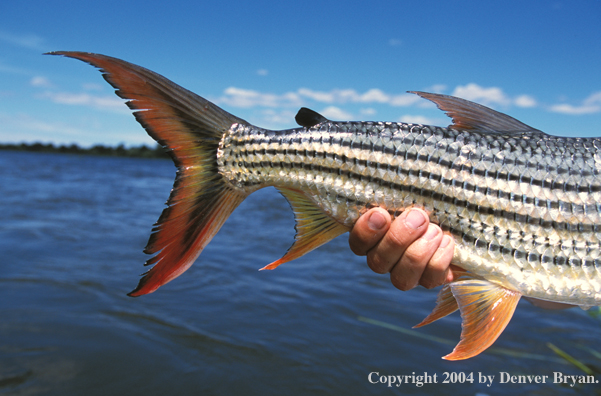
(522, 206)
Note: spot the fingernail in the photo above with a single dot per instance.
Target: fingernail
(431, 233)
(415, 219)
(445, 242)
(376, 221)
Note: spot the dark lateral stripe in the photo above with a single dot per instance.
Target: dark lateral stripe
(370, 147)
(481, 209)
(442, 163)
(518, 254)
(521, 255)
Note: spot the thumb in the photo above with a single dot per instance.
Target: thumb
(368, 230)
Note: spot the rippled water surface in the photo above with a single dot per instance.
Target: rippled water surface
(72, 232)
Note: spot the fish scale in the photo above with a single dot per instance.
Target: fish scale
(522, 207)
(361, 168)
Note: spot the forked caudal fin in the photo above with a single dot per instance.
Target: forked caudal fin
(190, 127)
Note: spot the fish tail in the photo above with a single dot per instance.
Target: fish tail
(190, 129)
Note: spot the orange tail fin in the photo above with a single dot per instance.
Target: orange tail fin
(190, 127)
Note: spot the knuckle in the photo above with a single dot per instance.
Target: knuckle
(435, 273)
(400, 282)
(397, 239)
(415, 255)
(377, 263)
(357, 247)
(430, 283)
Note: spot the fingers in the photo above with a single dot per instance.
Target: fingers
(452, 273)
(368, 230)
(408, 272)
(437, 269)
(411, 249)
(406, 229)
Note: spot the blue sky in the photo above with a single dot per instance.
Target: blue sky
(538, 61)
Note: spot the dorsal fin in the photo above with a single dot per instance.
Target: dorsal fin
(308, 118)
(472, 116)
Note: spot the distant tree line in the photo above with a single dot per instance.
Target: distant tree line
(141, 151)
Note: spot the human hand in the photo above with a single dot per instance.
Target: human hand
(411, 249)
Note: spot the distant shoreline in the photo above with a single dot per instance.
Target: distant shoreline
(141, 151)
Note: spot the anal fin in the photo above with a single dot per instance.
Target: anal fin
(313, 227)
(446, 304)
(486, 309)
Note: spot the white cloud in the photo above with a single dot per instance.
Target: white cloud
(368, 111)
(374, 95)
(275, 118)
(341, 96)
(93, 87)
(476, 93)
(30, 41)
(27, 128)
(247, 98)
(436, 88)
(594, 98)
(326, 97)
(394, 42)
(110, 103)
(405, 99)
(262, 72)
(40, 81)
(240, 97)
(417, 119)
(22, 122)
(491, 96)
(336, 114)
(525, 101)
(590, 105)
(574, 110)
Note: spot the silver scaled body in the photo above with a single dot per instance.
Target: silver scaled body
(524, 208)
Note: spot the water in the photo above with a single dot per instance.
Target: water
(71, 236)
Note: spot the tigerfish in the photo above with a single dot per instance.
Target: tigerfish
(522, 206)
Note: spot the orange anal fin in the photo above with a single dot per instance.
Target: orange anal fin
(486, 309)
(313, 227)
(445, 305)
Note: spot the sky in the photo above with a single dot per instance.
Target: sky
(538, 61)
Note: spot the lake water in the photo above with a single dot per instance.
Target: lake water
(72, 231)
